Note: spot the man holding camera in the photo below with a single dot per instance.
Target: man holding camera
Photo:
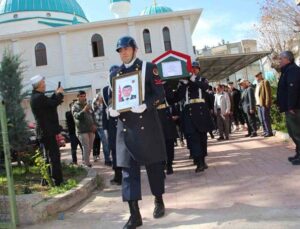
(85, 125)
(47, 126)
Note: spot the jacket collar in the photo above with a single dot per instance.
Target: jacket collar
(284, 68)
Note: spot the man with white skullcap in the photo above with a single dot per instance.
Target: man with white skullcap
(44, 110)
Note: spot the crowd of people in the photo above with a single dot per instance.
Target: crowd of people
(145, 135)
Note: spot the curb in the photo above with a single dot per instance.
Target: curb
(282, 135)
(35, 208)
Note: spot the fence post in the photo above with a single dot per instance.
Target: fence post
(8, 167)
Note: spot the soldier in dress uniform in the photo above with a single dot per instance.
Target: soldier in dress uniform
(196, 116)
(110, 124)
(169, 127)
(140, 139)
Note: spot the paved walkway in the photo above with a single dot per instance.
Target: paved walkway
(249, 184)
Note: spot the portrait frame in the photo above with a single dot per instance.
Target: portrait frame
(132, 80)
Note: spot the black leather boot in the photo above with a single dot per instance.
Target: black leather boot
(159, 209)
(169, 169)
(200, 165)
(135, 219)
(294, 157)
(117, 180)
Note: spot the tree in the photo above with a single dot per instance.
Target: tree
(278, 27)
(11, 90)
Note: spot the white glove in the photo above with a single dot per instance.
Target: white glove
(184, 81)
(193, 78)
(113, 113)
(139, 109)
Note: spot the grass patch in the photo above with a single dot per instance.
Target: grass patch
(29, 181)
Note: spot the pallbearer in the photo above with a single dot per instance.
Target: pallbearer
(196, 116)
(166, 115)
(110, 124)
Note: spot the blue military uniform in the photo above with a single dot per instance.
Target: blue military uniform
(196, 117)
(165, 113)
(110, 124)
(140, 139)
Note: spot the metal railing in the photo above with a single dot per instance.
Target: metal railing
(8, 209)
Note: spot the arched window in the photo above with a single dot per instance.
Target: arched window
(167, 39)
(40, 54)
(97, 45)
(147, 41)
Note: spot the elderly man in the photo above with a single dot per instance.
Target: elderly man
(288, 99)
(222, 107)
(44, 110)
(248, 104)
(263, 97)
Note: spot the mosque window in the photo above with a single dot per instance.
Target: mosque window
(147, 41)
(167, 39)
(97, 45)
(40, 54)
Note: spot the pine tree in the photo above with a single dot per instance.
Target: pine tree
(11, 90)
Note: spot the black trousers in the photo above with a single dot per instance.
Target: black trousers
(74, 144)
(251, 122)
(293, 126)
(198, 145)
(170, 151)
(131, 183)
(52, 151)
(96, 145)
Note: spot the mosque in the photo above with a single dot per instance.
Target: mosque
(55, 39)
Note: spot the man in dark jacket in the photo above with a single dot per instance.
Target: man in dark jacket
(237, 113)
(248, 105)
(140, 139)
(72, 134)
(47, 126)
(288, 99)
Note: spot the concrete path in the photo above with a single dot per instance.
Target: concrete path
(249, 184)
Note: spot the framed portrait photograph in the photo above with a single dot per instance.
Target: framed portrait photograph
(127, 91)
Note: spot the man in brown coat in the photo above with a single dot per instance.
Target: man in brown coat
(263, 97)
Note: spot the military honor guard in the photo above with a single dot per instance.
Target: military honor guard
(110, 124)
(196, 116)
(165, 113)
(140, 139)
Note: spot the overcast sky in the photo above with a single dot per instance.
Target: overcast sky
(231, 20)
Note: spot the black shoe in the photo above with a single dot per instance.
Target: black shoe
(253, 135)
(200, 168)
(268, 135)
(135, 219)
(159, 209)
(190, 157)
(108, 163)
(221, 139)
(170, 170)
(247, 135)
(296, 161)
(293, 158)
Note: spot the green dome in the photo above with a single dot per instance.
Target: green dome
(64, 6)
(156, 9)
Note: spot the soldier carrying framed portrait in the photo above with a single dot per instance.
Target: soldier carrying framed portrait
(127, 91)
